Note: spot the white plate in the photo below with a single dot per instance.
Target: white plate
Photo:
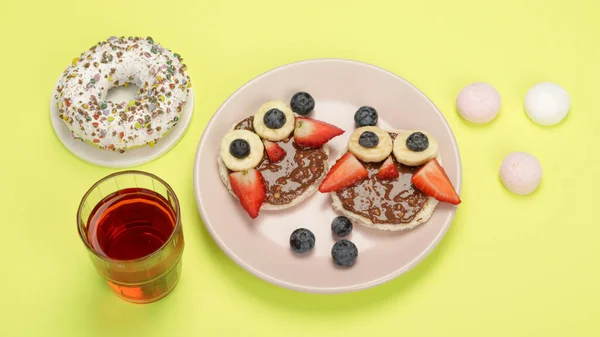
(114, 159)
(261, 246)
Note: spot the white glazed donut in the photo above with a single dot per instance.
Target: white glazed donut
(163, 89)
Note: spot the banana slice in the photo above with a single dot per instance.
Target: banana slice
(424, 150)
(283, 117)
(242, 155)
(375, 146)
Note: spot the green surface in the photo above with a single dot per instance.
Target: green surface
(509, 266)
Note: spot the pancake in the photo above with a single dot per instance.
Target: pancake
(290, 181)
(391, 205)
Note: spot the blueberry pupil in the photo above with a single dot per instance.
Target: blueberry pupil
(368, 139)
(417, 142)
(274, 119)
(239, 148)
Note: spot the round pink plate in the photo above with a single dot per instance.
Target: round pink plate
(261, 246)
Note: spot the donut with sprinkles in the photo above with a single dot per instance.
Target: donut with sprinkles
(163, 86)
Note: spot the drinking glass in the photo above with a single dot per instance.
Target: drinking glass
(130, 224)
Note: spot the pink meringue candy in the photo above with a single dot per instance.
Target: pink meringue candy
(521, 173)
(478, 103)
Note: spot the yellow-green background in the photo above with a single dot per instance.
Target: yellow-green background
(509, 266)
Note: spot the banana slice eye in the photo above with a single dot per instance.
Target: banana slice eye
(274, 121)
(370, 144)
(414, 148)
(241, 150)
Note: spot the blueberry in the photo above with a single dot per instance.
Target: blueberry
(274, 119)
(344, 253)
(239, 148)
(302, 103)
(365, 116)
(341, 226)
(302, 240)
(368, 139)
(417, 142)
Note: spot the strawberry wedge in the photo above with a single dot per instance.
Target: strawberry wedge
(388, 170)
(249, 187)
(313, 133)
(346, 172)
(274, 151)
(433, 181)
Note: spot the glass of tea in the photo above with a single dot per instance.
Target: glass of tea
(131, 225)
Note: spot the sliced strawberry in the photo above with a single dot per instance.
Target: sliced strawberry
(313, 133)
(388, 170)
(249, 187)
(346, 172)
(274, 151)
(433, 181)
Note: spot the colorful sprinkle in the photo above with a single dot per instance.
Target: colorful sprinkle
(82, 99)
